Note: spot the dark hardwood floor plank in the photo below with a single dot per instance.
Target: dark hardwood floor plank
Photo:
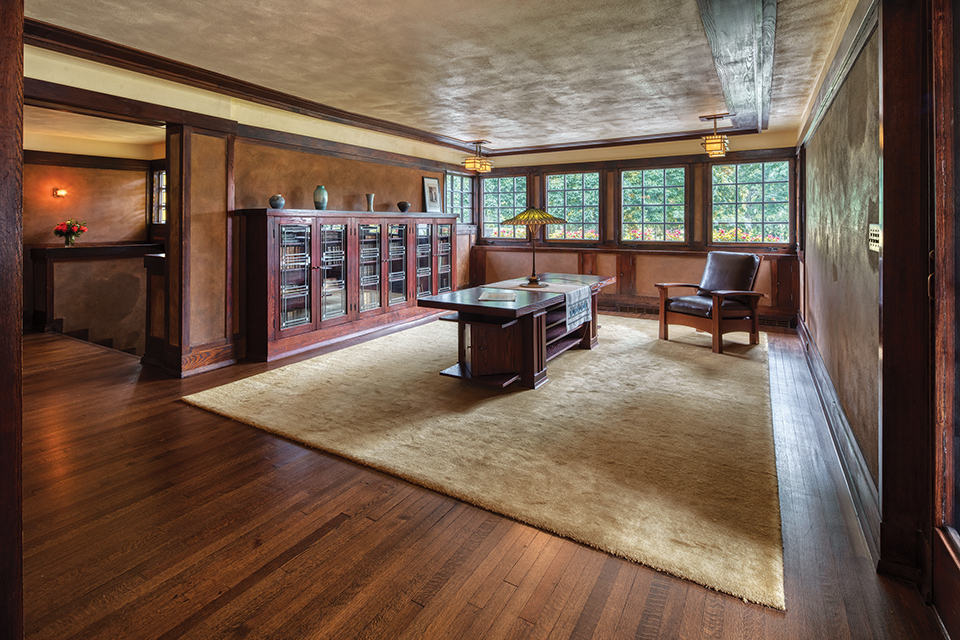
(145, 517)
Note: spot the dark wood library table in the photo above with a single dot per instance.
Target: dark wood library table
(503, 341)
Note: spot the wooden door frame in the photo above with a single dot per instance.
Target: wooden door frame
(11, 318)
(945, 561)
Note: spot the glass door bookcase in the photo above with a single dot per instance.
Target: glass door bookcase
(424, 260)
(397, 264)
(295, 268)
(371, 280)
(333, 271)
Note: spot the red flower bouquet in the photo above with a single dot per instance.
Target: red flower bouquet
(69, 231)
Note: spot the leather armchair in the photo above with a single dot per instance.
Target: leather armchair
(724, 300)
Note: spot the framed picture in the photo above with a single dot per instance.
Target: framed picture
(431, 195)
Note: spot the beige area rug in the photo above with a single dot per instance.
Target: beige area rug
(657, 451)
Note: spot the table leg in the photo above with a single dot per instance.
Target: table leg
(533, 349)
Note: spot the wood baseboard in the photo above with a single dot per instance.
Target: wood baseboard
(863, 489)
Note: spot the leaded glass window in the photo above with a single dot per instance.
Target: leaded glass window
(653, 205)
(751, 202)
(575, 197)
(503, 198)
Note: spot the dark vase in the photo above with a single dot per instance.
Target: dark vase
(320, 197)
(403, 206)
(277, 202)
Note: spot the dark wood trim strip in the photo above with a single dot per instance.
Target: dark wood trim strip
(84, 101)
(54, 38)
(86, 162)
(946, 578)
(945, 264)
(11, 319)
(308, 144)
(863, 489)
(611, 142)
(754, 155)
(855, 38)
(906, 396)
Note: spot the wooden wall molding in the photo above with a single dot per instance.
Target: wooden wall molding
(54, 38)
(309, 144)
(86, 162)
(11, 319)
(863, 489)
(49, 94)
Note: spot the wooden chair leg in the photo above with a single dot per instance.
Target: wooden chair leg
(664, 327)
(717, 335)
(754, 329)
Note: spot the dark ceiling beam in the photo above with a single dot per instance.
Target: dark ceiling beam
(741, 35)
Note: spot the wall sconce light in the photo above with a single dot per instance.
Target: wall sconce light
(59, 192)
(716, 145)
(477, 162)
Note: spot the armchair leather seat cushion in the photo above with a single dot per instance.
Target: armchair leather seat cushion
(702, 305)
(728, 271)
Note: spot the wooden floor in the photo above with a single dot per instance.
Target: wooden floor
(148, 518)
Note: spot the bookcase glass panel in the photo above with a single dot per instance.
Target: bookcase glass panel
(444, 262)
(295, 263)
(370, 281)
(397, 263)
(424, 260)
(333, 270)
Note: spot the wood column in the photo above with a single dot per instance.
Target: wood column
(11, 318)
(906, 420)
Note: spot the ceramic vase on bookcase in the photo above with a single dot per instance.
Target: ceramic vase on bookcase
(320, 197)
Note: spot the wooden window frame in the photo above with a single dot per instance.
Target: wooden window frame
(601, 188)
(481, 223)
(791, 205)
(688, 212)
(469, 210)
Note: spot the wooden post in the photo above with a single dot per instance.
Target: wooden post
(906, 420)
(11, 318)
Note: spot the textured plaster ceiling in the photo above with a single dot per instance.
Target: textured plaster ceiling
(516, 73)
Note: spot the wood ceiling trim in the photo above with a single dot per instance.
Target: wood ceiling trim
(741, 34)
(863, 24)
(612, 142)
(54, 38)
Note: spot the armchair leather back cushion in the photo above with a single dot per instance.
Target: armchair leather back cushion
(736, 271)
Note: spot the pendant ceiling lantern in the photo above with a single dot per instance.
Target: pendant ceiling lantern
(716, 145)
(477, 162)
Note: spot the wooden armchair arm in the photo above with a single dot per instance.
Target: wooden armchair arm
(667, 285)
(725, 293)
(753, 297)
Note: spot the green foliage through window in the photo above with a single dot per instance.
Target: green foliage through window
(460, 197)
(503, 198)
(575, 197)
(653, 205)
(751, 202)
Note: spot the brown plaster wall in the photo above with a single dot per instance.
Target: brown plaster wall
(208, 239)
(841, 276)
(263, 171)
(106, 297)
(113, 203)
